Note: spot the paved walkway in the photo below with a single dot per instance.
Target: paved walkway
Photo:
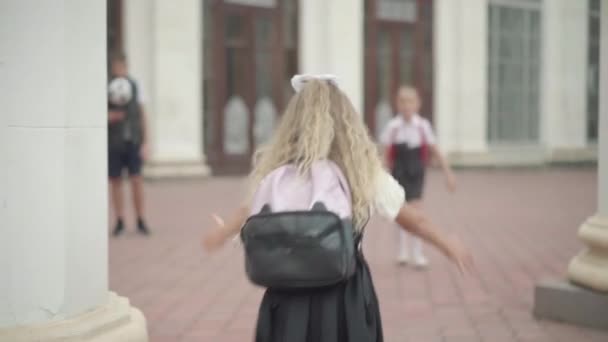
(521, 224)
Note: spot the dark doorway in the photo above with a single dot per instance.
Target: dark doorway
(250, 52)
(398, 50)
(593, 67)
(114, 25)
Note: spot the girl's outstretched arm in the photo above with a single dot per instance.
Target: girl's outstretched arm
(445, 167)
(215, 237)
(412, 220)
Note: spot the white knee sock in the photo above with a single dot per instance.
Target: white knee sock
(403, 242)
(416, 243)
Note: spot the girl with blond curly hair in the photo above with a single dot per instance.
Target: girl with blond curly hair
(320, 125)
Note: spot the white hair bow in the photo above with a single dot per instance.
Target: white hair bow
(298, 81)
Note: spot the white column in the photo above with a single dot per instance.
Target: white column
(165, 44)
(564, 75)
(590, 267)
(331, 41)
(345, 46)
(460, 75)
(138, 38)
(313, 42)
(53, 198)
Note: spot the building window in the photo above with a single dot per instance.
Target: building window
(593, 70)
(514, 40)
(397, 10)
(258, 3)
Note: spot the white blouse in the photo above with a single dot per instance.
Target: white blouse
(400, 131)
(390, 196)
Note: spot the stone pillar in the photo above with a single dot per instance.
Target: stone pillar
(590, 267)
(584, 298)
(165, 44)
(460, 43)
(564, 79)
(138, 38)
(53, 181)
(331, 41)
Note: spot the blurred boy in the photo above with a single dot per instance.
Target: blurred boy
(127, 147)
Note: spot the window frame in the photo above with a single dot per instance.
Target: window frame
(526, 129)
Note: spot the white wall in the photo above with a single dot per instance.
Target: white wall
(564, 73)
(460, 74)
(331, 41)
(53, 237)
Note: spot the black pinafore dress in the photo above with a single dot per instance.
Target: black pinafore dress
(409, 170)
(347, 312)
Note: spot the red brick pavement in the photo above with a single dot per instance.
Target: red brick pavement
(521, 225)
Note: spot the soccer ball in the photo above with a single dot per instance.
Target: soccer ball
(120, 91)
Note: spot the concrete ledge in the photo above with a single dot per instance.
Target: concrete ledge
(507, 156)
(573, 155)
(171, 170)
(500, 156)
(562, 301)
(117, 321)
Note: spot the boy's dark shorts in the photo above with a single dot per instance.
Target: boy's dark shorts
(123, 157)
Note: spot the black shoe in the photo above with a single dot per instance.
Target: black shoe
(118, 229)
(142, 228)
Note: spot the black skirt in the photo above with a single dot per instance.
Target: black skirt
(347, 312)
(409, 171)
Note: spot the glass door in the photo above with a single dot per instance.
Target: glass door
(398, 51)
(248, 74)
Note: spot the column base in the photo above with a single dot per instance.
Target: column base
(516, 156)
(590, 267)
(565, 302)
(506, 156)
(583, 300)
(117, 321)
(581, 155)
(163, 170)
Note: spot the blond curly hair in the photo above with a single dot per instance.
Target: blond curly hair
(320, 123)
